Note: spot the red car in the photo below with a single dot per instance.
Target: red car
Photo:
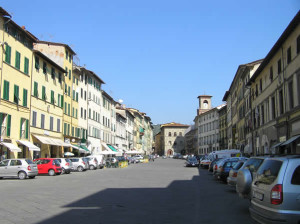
(48, 165)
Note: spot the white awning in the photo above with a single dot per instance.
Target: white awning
(51, 141)
(133, 152)
(11, 147)
(108, 153)
(30, 146)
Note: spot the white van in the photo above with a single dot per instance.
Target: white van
(100, 159)
(225, 153)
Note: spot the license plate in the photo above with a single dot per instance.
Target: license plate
(257, 195)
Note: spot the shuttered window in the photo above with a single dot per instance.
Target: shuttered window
(26, 65)
(35, 90)
(7, 54)
(16, 94)
(52, 97)
(6, 90)
(43, 93)
(37, 62)
(25, 92)
(8, 125)
(17, 60)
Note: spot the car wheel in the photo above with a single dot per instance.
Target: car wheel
(63, 171)
(31, 177)
(51, 172)
(22, 175)
(80, 168)
(68, 172)
(92, 167)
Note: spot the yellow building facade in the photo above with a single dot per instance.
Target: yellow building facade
(47, 102)
(16, 64)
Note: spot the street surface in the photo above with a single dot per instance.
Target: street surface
(163, 191)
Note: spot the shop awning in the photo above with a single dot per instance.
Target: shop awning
(112, 148)
(11, 147)
(105, 146)
(84, 148)
(30, 146)
(78, 148)
(276, 145)
(133, 152)
(107, 153)
(51, 141)
(294, 138)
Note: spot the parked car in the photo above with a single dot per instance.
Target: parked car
(132, 160)
(211, 165)
(225, 165)
(275, 194)
(139, 157)
(246, 175)
(92, 161)
(48, 165)
(20, 168)
(101, 160)
(66, 165)
(79, 164)
(204, 162)
(192, 162)
(232, 177)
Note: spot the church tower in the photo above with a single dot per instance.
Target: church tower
(204, 103)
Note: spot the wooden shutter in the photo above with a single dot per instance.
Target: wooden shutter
(21, 128)
(25, 97)
(27, 129)
(26, 65)
(43, 93)
(8, 125)
(35, 91)
(62, 101)
(16, 94)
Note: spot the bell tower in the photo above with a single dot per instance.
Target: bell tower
(204, 103)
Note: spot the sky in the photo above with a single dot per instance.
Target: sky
(158, 56)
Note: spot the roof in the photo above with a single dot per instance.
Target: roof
(173, 124)
(4, 12)
(58, 44)
(286, 33)
(90, 71)
(23, 30)
(225, 96)
(204, 96)
(106, 94)
(49, 60)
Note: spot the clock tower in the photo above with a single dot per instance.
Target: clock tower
(204, 103)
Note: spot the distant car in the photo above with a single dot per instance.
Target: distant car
(48, 165)
(20, 168)
(100, 158)
(66, 165)
(204, 162)
(92, 161)
(79, 164)
(139, 157)
(211, 165)
(192, 162)
(231, 179)
(132, 160)
(275, 196)
(225, 167)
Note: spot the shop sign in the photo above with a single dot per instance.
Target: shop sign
(282, 139)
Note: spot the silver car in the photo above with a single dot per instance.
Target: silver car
(20, 168)
(79, 164)
(66, 165)
(92, 161)
(275, 194)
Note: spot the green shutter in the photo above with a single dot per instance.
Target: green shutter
(26, 65)
(52, 96)
(26, 130)
(7, 54)
(1, 121)
(17, 60)
(69, 91)
(6, 90)
(77, 97)
(65, 128)
(21, 128)
(35, 91)
(69, 74)
(43, 93)
(62, 100)
(8, 125)
(25, 97)
(16, 94)
(37, 62)
(69, 109)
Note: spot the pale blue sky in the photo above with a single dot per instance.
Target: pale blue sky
(158, 56)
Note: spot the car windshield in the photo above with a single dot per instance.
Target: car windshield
(56, 162)
(268, 172)
(193, 159)
(68, 160)
(29, 161)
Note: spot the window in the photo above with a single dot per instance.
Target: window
(262, 114)
(65, 128)
(33, 118)
(52, 97)
(7, 54)
(81, 93)
(84, 114)
(296, 175)
(175, 134)
(51, 123)
(74, 79)
(16, 94)
(170, 134)
(298, 44)
(279, 66)
(65, 109)
(17, 60)
(271, 73)
(66, 73)
(26, 66)
(45, 68)
(81, 112)
(66, 88)
(73, 95)
(24, 128)
(90, 113)
(289, 55)
(58, 125)
(291, 95)
(37, 62)
(69, 109)
(260, 85)
(268, 171)
(280, 102)
(273, 107)
(73, 112)
(35, 90)
(67, 54)
(25, 97)
(84, 95)
(43, 93)
(59, 77)
(77, 97)
(42, 121)
(6, 90)
(69, 74)
(69, 91)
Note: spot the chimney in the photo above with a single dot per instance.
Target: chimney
(23, 27)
